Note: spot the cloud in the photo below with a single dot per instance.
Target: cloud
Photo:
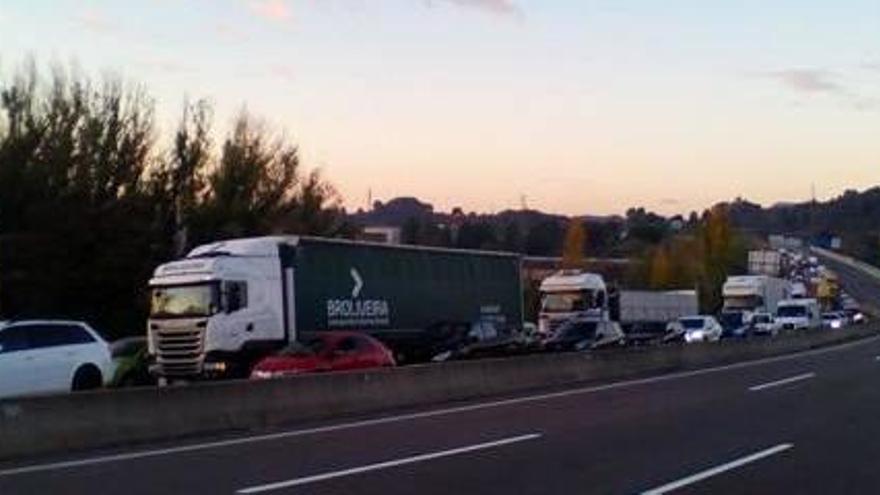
(229, 32)
(866, 104)
(272, 10)
(871, 65)
(498, 7)
(807, 80)
(824, 82)
(169, 67)
(668, 202)
(95, 21)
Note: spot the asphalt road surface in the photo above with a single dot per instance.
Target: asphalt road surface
(862, 288)
(804, 423)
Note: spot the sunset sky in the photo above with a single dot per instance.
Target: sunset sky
(580, 106)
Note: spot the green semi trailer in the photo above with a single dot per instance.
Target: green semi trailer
(228, 303)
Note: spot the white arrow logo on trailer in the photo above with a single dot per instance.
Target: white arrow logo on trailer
(358, 283)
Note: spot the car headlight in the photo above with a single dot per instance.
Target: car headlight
(264, 375)
(836, 324)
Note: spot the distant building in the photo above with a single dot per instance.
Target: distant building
(383, 234)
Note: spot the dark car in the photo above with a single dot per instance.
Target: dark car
(579, 335)
(324, 352)
(132, 363)
(573, 336)
(476, 339)
(734, 325)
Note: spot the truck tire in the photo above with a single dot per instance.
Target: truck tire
(87, 377)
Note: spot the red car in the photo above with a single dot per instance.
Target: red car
(326, 351)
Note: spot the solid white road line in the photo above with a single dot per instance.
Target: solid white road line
(742, 461)
(784, 381)
(89, 461)
(385, 465)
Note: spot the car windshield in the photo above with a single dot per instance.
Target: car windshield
(310, 346)
(762, 319)
(578, 330)
(731, 320)
(791, 311)
(692, 323)
(184, 301)
(563, 302)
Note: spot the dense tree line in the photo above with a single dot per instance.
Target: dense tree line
(92, 197)
(853, 216)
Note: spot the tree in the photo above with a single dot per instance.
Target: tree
(74, 221)
(511, 238)
(573, 247)
(90, 203)
(721, 253)
(661, 269)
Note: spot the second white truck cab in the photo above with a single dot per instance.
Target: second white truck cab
(570, 294)
(798, 314)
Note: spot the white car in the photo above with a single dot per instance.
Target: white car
(834, 320)
(764, 323)
(700, 329)
(45, 356)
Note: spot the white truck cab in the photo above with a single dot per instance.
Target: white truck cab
(224, 297)
(572, 294)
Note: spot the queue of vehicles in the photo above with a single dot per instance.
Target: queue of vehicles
(277, 306)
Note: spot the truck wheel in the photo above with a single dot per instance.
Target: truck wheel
(87, 377)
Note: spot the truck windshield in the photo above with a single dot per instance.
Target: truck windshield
(792, 311)
(564, 302)
(184, 301)
(692, 323)
(743, 302)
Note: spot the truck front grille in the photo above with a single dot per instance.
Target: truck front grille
(180, 351)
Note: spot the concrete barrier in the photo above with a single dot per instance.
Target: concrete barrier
(42, 425)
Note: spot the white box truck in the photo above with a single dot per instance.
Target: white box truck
(645, 315)
(798, 314)
(766, 262)
(745, 295)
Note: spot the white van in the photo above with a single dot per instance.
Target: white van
(798, 314)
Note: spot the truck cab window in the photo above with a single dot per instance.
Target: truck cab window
(236, 296)
(600, 299)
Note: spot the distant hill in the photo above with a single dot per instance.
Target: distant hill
(527, 231)
(853, 216)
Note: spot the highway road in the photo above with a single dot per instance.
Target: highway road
(862, 288)
(804, 423)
